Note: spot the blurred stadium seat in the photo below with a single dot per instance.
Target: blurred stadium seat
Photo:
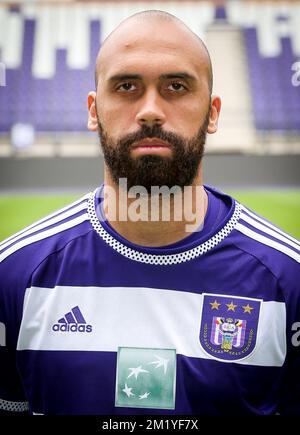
(49, 51)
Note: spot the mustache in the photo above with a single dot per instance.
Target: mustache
(147, 132)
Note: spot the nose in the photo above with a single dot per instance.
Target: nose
(151, 112)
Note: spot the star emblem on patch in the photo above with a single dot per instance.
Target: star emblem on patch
(229, 326)
(146, 378)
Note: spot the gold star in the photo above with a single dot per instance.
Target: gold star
(247, 308)
(215, 305)
(231, 306)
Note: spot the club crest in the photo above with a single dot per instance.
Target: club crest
(229, 326)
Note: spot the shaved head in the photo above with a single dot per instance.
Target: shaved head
(153, 105)
(128, 32)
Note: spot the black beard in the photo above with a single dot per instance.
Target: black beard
(153, 170)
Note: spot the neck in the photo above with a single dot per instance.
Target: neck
(155, 220)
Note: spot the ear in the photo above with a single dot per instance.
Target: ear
(215, 108)
(92, 119)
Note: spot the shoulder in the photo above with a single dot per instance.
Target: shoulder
(21, 253)
(271, 246)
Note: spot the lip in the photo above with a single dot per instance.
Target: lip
(151, 143)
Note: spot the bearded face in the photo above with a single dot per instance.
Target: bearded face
(178, 169)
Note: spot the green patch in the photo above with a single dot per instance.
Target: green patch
(146, 378)
(17, 212)
(281, 207)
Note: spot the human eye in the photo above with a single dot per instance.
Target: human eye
(176, 87)
(126, 87)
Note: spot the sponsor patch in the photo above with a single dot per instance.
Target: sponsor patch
(146, 378)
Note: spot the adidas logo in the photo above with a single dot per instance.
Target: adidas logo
(73, 321)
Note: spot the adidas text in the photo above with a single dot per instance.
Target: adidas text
(74, 327)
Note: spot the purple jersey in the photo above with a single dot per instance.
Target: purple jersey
(93, 324)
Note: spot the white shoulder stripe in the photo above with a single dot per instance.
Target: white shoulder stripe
(268, 224)
(268, 242)
(267, 230)
(45, 224)
(44, 219)
(44, 235)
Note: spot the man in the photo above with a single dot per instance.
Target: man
(108, 306)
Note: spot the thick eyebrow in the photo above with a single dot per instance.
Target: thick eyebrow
(171, 75)
(124, 77)
(179, 75)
